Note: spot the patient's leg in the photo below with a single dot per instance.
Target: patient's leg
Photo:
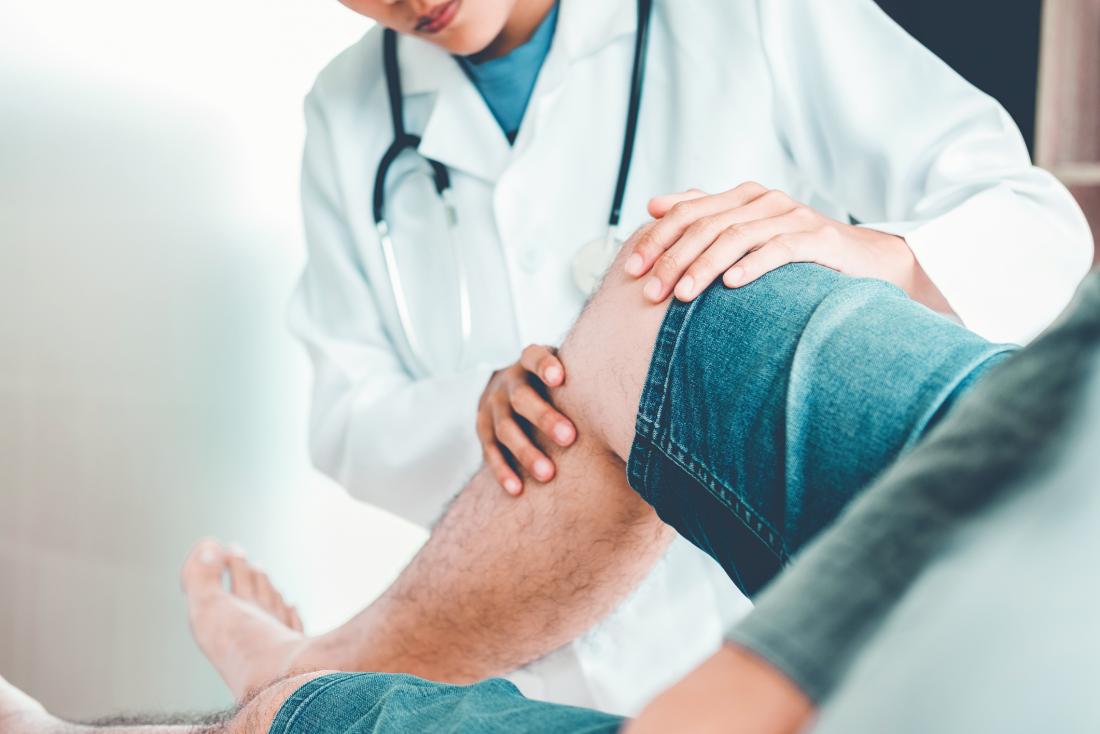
(502, 580)
(765, 410)
(21, 714)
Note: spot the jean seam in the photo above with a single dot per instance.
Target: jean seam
(316, 690)
(690, 465)
(647, 424)
(652, 434)
(682, 315)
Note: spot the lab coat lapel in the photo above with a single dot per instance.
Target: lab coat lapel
(460, 132)
(584, 28)
(587, 26)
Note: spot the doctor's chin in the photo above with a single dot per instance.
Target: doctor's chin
(550, 366)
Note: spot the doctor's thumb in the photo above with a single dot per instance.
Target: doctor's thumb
(659, 205)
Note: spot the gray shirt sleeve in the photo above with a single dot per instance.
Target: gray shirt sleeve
(813, 619)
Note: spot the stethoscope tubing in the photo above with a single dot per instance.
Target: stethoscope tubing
(637, 86)
(403, 140)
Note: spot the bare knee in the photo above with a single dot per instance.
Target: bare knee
(258, 713)
(606, 358)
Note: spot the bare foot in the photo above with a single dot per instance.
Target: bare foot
(248, 632)
(21, 714)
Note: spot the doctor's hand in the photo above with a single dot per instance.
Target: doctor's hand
(743, 233)
(513, 403)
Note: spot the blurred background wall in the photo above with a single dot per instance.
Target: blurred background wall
(1068, 125)
(149, 393)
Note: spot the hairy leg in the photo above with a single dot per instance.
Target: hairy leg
(502, 581)
(21, 714)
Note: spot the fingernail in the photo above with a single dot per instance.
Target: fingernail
(236, 549)
(208, 557)
(735, 276)
(543, 468)
(512, 486)
(634, 264)
(563, 433)
(685, 288)
(652, 289)
(553, 374)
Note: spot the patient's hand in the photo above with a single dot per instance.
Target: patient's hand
(512, 404)
(741, 234)
(733, 691)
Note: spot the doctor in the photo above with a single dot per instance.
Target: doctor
(451, 206)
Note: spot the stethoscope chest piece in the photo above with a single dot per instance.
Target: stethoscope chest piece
(592, 261)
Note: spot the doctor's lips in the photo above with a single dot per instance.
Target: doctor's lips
(440, 17)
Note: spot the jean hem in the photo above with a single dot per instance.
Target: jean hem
(653, 444)
(302, 698)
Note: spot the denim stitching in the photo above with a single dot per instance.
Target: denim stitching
(682, 316)
(650, 429)
(647, 424)
(317, 686)
(727, 495)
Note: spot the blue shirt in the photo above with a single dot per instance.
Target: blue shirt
(506, 83)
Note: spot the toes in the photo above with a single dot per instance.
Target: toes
(252, 584)
(266, 595)
(204, 567)
(285, 614)
(242, 577)
(271, 600)
(295, 621)
(282, 610)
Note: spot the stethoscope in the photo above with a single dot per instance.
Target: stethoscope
(590, 261)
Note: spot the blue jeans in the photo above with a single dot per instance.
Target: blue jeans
(361, 703)
(766, 410)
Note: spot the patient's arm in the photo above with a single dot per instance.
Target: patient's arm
(1005, 437)
(1015, 433)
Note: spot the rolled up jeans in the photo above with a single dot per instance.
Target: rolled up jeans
(766, 409)
(769, 407)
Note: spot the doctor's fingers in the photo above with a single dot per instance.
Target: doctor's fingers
(543, 362)
(670, 268)
(791, 247)
(736, 244)
(659, 205)
(494, 457)
(669, 228)
(509, 433)
(539, 413)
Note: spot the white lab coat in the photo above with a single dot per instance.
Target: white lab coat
(826, 99)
